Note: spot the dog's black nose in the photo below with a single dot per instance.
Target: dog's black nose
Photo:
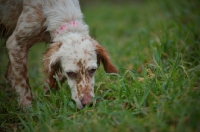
(90, 104)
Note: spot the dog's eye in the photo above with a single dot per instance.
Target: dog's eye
(92, 71)
(72, 75)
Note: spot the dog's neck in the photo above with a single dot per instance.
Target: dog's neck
(70, 27)
(66, 26)
(58, 13)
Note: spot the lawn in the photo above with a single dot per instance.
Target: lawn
(156, 47)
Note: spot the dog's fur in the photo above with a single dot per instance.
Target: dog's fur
(72, 54)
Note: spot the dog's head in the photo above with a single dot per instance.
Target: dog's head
(77, 59)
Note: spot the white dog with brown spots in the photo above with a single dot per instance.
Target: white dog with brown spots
(72, 54)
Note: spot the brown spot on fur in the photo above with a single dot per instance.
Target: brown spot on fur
(79, 90)
(39, 5)
(38, 12)
(21, 32)
(85, 52)
(22, 85)
(29, 98)
(29, 18)
(18, 80)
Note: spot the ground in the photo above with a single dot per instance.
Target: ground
(156, 47)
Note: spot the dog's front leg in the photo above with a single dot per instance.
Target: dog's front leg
(18, 70)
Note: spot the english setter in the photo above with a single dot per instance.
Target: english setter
(72, 54)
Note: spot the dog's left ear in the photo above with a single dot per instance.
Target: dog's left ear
(51, 63)
(103, 56)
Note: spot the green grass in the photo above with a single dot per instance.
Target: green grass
(156, 47)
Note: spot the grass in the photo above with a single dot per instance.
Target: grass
(156, 47)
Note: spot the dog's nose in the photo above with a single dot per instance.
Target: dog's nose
(89, 104)
(87, 100)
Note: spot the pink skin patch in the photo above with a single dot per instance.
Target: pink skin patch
(64, 27)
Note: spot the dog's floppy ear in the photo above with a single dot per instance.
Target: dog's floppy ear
(103, 56)
(51, 63)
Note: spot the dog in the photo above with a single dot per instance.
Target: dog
(72, 55)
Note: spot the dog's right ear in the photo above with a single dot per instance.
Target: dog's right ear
(51, 63)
